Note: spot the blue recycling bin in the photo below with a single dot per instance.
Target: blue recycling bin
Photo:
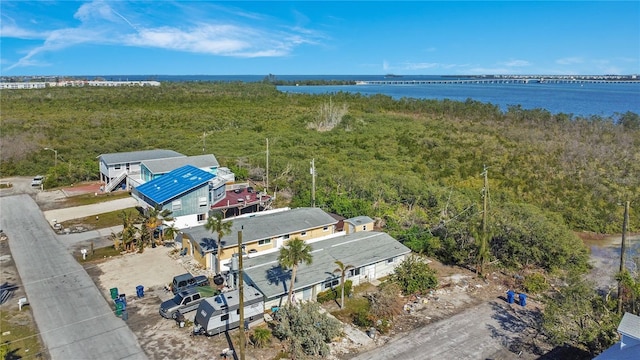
(123, 298)
(523, 299)
(510, 296)
(140, 291)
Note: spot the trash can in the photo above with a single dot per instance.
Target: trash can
(125, 315)
(114, 293)
(123, 298)
(140, 291)
(523, 299)
(510, 296)
(119, 307)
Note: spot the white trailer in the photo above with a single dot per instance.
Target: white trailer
(221, 313)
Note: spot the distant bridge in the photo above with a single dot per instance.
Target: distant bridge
(499, 81)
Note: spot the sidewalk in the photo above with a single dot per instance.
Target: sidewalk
(61, 215)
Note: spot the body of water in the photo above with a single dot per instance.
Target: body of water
(586, 100)
(605, 258)
(578, 99)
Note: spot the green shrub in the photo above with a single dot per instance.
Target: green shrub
(535, 283)
(362, 318)
(335, 293)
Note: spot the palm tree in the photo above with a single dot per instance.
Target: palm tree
(296, 251)
(129, 231)
(171, 231)
(215, 224)
(155, 217)
(342, 269)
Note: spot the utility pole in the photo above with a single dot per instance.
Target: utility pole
(241, 294)
(623, 249)
(485, 197)
(313, 183)
(483, 251)
(267, 180)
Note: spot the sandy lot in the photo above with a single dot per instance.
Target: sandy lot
(160, 338)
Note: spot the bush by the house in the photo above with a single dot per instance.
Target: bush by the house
(306, 329)
(333, 294)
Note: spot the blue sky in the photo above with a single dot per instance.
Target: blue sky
(318, 38)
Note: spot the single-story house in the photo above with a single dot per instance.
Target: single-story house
(263, 231)
(115, 168)
(241, 199)
(628, 348)
(187, 192)
(372, 254)
(358, 223)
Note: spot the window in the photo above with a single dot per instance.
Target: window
(176, 205)
(117, 166)
(264, 242)
(304, 233)
(224, 317)
(331, 284)
(326, 228)
(286, 237)
(354, 272)
(389, 261)
(364, 227)
(201, 217)
(202, 201)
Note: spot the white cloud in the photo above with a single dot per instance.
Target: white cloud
(100, 23)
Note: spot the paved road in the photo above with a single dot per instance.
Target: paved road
(77, 212)
(73, 318)
(480, 332)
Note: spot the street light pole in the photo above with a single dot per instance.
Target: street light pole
(55, 152)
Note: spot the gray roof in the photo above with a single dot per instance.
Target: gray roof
(161, 166)
(357, 249)
(359, 220)
(138, 156)
(259, 227)
(630, 325)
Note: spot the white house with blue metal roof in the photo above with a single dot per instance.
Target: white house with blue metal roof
(187, 192)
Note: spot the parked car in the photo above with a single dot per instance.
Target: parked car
(182, 303)
(187, 281)
(37, 181)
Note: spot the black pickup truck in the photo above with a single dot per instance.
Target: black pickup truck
(187, 281)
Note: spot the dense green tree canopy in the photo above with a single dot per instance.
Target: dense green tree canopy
(408, 163)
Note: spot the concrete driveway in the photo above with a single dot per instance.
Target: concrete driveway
(484, 331)
(73, 318)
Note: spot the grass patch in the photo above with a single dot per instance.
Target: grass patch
(89, 199)
(103, 220)
(99, 254)
(19, 339)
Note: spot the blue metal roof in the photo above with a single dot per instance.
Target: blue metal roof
(174, 183)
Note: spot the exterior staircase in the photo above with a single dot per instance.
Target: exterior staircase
(115, 181)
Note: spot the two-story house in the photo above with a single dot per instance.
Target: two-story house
(187, 192)
(116, 168)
